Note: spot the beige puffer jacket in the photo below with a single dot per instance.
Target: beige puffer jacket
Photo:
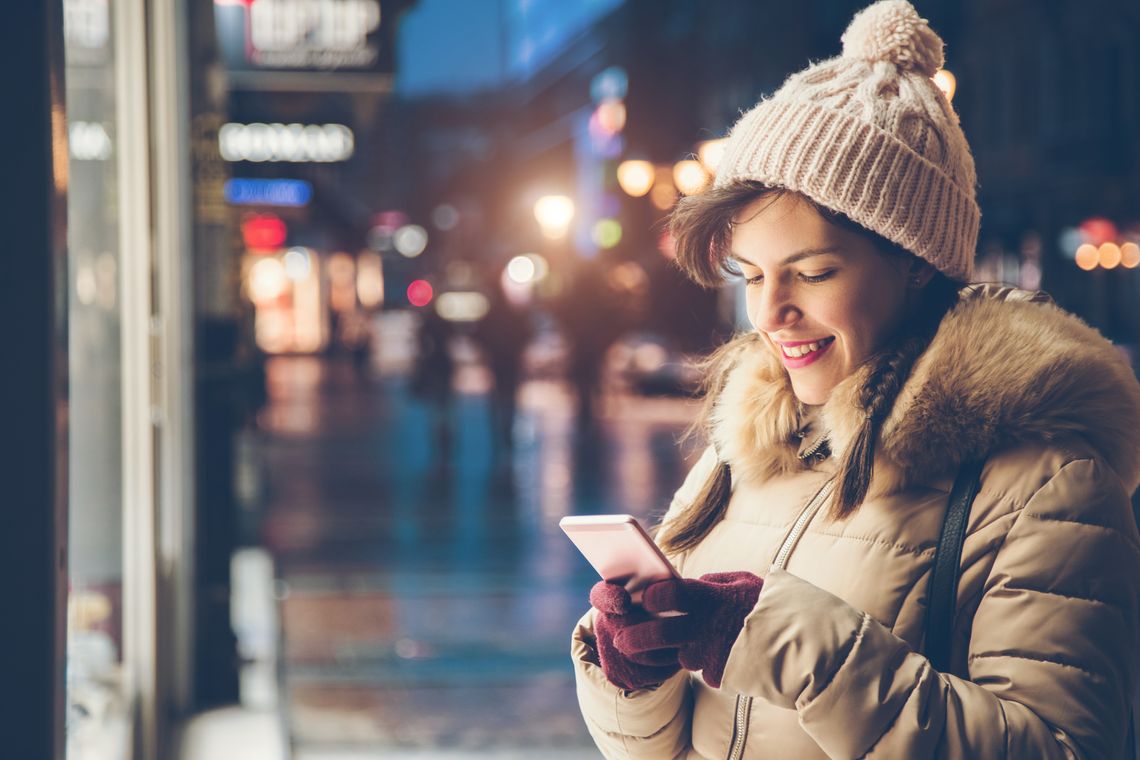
(827, 665)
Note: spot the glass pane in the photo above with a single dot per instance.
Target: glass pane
(97, 726)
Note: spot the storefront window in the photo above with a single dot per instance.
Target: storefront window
(96, 723)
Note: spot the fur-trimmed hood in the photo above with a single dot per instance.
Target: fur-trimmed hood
(1002, 370)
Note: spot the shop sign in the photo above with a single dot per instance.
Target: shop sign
(323, 35)
(86, 31)
(297, 143)
(268, 192)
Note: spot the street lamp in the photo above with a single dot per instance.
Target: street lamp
(635, 177)
(710, 152)
(690, 177)
(554, 213)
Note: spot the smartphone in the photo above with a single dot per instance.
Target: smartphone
(620, 550)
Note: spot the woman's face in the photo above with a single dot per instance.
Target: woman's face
(825, 297)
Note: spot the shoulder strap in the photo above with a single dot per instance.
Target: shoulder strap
(943, 596)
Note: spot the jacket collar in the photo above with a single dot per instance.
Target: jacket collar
(1002, 370)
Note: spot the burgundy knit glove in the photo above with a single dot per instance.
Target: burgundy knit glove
(616, 614)
(715, 607)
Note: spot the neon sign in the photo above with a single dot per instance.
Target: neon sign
(297, 143)
(268, 192)
(299, 34)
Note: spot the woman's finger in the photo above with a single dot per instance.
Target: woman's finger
(666, 596)
(610, 598)
(655, 634)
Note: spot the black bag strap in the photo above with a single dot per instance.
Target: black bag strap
(944, 579)
(943, 597)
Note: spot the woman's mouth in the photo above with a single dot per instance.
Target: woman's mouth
(803, 354)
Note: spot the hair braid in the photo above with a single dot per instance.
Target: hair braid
(889, 370)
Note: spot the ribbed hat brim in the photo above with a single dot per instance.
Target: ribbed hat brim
(857, 169)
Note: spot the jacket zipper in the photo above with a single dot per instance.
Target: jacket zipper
(743, 703)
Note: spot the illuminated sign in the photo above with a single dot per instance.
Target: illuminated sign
(263, 233)
(88, 141)
(268, 192)
(86, 25)
(298, 143)
(301, 34)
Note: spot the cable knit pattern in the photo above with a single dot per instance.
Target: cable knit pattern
(870, 135)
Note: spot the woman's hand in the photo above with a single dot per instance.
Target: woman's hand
(616, 615)
(714, 608)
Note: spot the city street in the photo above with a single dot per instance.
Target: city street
(425, 591)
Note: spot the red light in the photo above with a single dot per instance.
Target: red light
(419, 293)
(1098, 230)
(265, 232)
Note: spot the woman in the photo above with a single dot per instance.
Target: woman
(805, 534)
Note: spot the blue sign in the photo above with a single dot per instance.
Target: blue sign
(268, 192)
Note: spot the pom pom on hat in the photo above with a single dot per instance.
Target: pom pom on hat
(892, 30)
(846, 133)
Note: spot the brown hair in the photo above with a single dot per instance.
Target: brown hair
(701, 227)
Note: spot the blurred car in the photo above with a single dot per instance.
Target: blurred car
(646, 364)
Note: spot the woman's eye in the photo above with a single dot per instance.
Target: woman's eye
(817, 277)
(755, 279)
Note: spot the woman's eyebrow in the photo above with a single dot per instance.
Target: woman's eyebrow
(793, 258)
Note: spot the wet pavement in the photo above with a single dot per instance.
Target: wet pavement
(425, 591)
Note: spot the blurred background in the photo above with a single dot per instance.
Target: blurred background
(359, 297)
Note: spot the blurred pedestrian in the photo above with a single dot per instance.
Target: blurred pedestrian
(432, 374)
(592, 318)
(356, 335)
(503, 335)
(872, 383)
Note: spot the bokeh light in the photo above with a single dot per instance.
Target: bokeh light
(263, 232)
(1098, 230)
(445, 217)
(1087, 257)
(629, 277)
(297, 263)
(612, 82)
(1130, 255)
(462, 306)
(710, 152)
(267, 280)
(419, 293)
(607, 233)
(554, 214)
(342, 282)
(410, 240)
(690, 177)
(1109, 255)
(541, 266)
(635, 177)
(946, 82)
(664, 194)
(611, 115)
(1070, 239)
(370, 280)
(521, 269)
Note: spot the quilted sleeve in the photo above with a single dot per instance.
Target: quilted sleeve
(1052, 659)
(647, 723)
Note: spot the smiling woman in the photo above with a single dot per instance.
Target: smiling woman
(870, 380)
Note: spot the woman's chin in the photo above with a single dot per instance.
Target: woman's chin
(811, 396)
(813, 392)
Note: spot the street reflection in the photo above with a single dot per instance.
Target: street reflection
(430, 594)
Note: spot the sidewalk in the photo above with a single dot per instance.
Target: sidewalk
(427, 595)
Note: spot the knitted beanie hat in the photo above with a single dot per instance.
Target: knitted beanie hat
(869, 134)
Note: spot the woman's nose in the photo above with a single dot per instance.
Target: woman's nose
(773, 309)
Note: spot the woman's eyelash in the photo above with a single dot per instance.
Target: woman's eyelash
(757, 279)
